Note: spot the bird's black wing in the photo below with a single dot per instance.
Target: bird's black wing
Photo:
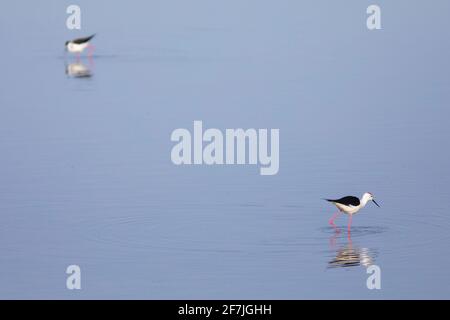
(83, 40)
(347, 201)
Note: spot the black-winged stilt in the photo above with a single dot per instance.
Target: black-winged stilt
(77, 46)
(350, 205)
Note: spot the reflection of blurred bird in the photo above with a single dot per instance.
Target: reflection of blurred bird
(349, 257)
(351, 205)
(78, 45)
(78, 70)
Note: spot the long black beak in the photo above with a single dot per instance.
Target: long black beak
(376, 203)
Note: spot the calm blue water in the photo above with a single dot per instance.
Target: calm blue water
(85, 170)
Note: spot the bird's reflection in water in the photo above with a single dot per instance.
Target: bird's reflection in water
(349, 255)
(78, 70)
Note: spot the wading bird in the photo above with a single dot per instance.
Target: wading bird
(77, 46)
(350, 205)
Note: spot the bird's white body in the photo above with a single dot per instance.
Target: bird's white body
(78, 45)
(76, 48)
(354, 209)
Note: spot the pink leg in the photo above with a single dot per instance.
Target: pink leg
(90, 50)
(349, 223)
(331, 221)
(90, 55)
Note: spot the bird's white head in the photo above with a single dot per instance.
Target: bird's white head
(368, 197)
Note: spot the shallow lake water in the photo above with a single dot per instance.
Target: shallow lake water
(87, 179)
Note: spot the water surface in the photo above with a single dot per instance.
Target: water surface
(85, 169)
